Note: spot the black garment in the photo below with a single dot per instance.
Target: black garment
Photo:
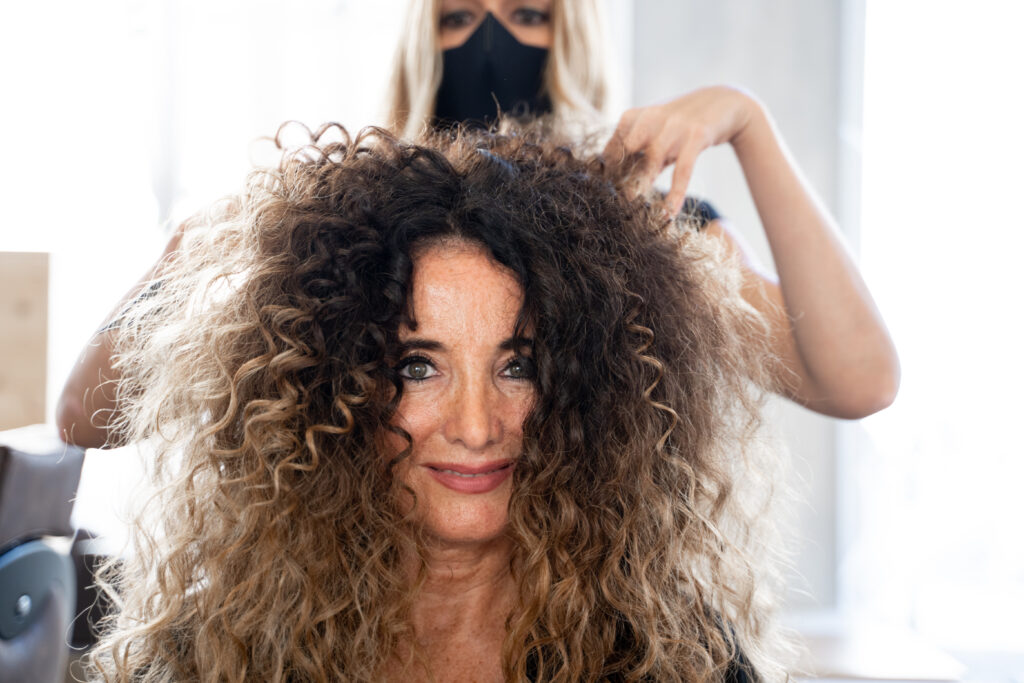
(698, 211)
(491, 71)
(739, 671)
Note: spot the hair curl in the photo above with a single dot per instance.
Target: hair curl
(261, 372)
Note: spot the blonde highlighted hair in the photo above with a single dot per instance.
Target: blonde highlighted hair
(575, 78)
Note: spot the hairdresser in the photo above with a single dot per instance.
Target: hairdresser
(462, 61)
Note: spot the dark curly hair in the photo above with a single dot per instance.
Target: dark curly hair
(262, 374)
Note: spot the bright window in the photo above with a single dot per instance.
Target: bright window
(939, 541)
(121, 117)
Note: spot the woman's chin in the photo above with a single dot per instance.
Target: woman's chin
(466, 527)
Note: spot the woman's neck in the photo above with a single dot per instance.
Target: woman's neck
(464, 586)
(461, 609)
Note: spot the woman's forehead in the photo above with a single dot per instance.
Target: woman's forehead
(458, 288)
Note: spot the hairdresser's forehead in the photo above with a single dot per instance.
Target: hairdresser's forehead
(458, 290)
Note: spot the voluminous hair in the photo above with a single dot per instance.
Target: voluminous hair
(261, 374)
(575, 77)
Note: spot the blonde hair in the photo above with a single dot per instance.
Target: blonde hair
(575, 77)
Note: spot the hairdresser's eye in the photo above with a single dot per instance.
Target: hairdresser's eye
(528, 16)
(416, 368)
(457, 19)
(520, 367)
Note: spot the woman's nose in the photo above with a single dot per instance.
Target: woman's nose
(474, 418)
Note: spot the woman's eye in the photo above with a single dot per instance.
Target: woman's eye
(519, 368)
(456, 19)
(527, 16)
(416, 369)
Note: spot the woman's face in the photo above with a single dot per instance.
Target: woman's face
(528, 20)
(466, 392)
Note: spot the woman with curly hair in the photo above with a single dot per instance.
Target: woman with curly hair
(465, 410)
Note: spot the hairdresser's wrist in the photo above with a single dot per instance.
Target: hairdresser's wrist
(756, 132)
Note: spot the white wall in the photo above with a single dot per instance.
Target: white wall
(792, 54)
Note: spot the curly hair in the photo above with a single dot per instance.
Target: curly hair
(261, 373)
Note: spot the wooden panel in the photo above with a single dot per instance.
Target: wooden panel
(23, 292)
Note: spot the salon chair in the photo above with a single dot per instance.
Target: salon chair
(38, 479)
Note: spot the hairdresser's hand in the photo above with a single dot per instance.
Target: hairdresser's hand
(677, 132)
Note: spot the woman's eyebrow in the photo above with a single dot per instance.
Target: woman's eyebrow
(516, 343)
(420, 344)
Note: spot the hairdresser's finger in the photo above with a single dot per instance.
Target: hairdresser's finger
(685, 161)
(654, 141)
(658, 154)
(635, 132)
(615, 151)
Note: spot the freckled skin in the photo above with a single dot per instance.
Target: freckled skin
(469, 411)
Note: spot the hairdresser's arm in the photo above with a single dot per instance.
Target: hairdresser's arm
(837, 356)
(87, 404)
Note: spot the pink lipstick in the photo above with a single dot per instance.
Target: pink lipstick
(481, 478)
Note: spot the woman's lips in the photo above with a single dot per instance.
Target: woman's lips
(470, 479)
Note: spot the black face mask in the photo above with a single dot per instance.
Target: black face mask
(491, 65)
